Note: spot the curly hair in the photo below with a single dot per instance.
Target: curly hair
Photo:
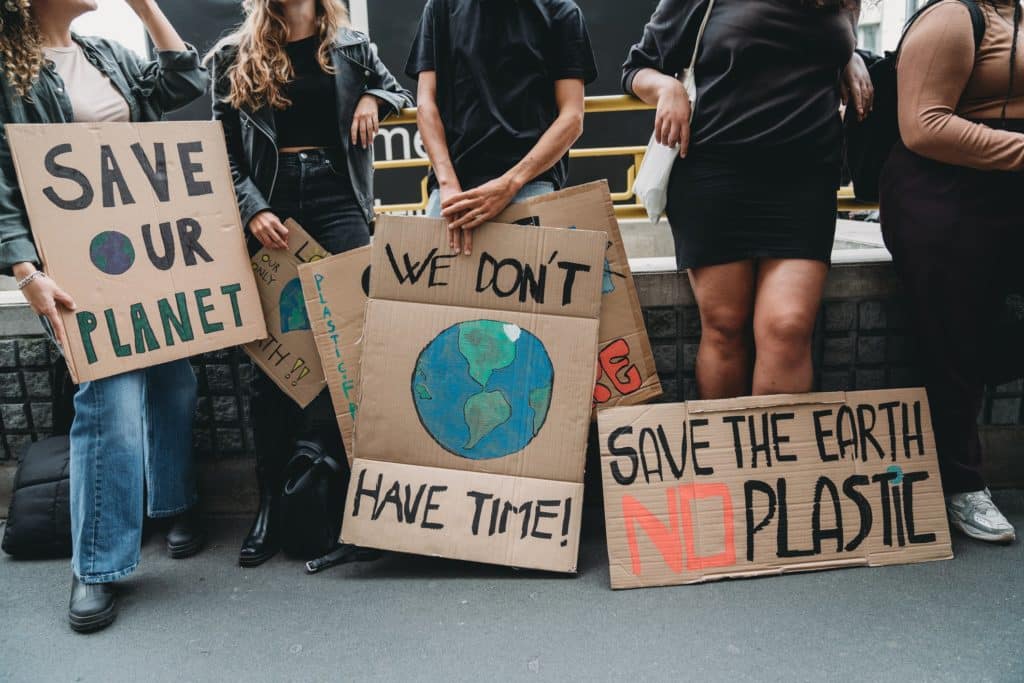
(21, 46)
(261, 67)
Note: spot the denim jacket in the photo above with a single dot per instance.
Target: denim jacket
(151, 88)
(251, 135)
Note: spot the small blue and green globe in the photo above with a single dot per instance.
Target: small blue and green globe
(482, 388)
(112, 252)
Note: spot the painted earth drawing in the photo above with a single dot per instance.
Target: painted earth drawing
(482, 388)
(112, 252)
(293, 308)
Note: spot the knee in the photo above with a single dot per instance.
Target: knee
(725, 327)
(785, 331)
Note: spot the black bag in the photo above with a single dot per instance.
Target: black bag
(869, 142)
(39, 518)
(312, 503)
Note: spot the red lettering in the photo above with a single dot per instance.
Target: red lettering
(687, 495)
(614, 360)
(665, 538)
(601, 393)
(668, 537)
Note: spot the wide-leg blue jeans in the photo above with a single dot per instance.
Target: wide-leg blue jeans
(131, 438)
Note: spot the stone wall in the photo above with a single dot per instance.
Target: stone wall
(862, 342)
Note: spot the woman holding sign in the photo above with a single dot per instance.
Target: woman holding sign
(752, 196)
(132, 432)
(300, 96)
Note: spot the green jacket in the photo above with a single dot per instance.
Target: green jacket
(151, 88)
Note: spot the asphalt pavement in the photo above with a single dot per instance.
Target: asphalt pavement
(420, 619)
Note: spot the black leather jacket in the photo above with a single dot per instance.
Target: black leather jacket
(251, 137)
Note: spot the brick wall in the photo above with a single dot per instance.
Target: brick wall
(862, 342)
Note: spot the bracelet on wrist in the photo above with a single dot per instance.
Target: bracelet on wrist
(29, 279)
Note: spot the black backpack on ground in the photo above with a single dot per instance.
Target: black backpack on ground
(39, 517)
(869, 142)
(312, 503)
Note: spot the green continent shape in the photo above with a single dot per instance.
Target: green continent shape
(484, 344)
(423, 393)
(540, 401)
(485, 412)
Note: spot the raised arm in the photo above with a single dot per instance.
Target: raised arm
(936, 62)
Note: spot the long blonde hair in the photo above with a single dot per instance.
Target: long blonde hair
(261, 67)
(21, 46)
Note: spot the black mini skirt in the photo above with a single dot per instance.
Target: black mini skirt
(726, 207)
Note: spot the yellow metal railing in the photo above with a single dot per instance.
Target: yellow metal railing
(626, 205)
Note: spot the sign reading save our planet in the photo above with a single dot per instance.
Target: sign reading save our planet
(138, 222)
(488, 362)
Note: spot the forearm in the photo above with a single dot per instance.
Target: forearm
(648, 84)
(552, 146)
(428, 120)
(160, 30)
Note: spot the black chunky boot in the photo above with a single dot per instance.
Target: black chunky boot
(262, 542)
(187, 534)
(93, 606)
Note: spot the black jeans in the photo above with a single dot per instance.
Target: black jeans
(313, 189)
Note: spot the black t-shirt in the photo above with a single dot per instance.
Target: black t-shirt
(312, 118)
(767, 74)
(497, 62)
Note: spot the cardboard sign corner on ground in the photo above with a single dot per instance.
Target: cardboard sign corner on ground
(288, 355)
(138, 223)
(476, 378)
(766, 485)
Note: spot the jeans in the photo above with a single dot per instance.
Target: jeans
(314, 189)
(131, 438)
(532, 189)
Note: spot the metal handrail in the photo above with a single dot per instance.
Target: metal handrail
(624, 207)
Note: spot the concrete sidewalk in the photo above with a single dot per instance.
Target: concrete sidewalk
(410, 618)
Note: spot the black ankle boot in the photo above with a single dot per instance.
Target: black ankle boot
(93, 606)
(262, 543)
(187, 534)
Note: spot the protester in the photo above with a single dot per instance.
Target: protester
(949, 194)
(500, 102)
(131, 434)
(300, 95)
(752, 198)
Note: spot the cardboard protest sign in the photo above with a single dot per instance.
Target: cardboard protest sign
(736, 488)
(138, 222)
(288, 354)
(475, 400)
(336, 289)
(626, 374)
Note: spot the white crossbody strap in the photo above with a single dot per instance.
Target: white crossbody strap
(700, 34)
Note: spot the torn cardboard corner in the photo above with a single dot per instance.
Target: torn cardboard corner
(716, 489)
(288, 355)
(485, 364)
(138, 223)
(626, 371)
(335, 290)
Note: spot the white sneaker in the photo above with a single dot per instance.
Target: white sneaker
(976, 515)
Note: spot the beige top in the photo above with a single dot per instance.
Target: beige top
(93, 97)
(942, 84)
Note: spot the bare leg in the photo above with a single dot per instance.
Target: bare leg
(788, 298)
(725, 296)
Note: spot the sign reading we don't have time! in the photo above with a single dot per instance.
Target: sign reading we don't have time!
(138, 222)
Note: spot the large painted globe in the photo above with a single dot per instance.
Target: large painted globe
(482, 388)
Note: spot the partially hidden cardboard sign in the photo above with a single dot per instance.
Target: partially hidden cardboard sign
(336, 289)
(476, 384)
(138, 223)
(626, 374)
(288, 354)
(737, 488)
